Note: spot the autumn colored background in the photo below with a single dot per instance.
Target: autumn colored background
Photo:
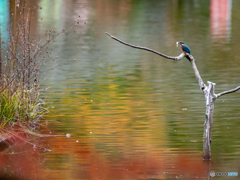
(132, 114)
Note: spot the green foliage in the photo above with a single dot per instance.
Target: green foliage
(20, 106)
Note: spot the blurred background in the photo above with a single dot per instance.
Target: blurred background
(132, 114)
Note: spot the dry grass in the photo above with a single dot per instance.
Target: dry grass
(21, 59)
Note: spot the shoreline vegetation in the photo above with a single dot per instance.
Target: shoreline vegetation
(21, 60)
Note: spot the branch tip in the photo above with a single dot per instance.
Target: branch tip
(227, 92)
(177, 58)
(108, 34)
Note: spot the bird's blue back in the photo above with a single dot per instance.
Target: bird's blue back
(185, 48)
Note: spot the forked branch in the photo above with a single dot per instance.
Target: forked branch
(227, 92)
(203, 87)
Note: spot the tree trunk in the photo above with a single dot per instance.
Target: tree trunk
(210, 98)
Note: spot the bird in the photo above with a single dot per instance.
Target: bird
(184, 47)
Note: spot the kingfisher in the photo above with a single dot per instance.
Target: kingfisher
(184, 47)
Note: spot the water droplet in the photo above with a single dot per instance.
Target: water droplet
(68, 135)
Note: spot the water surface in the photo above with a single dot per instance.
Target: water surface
(132, 114)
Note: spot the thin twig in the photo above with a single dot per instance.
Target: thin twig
(177, 58)
(14, 44)
(227, 92)
(26, 140)
(48, 41)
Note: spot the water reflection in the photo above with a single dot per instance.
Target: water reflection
(82, 160)
(132, 114)
(4, 18)
(20, 159)
(221, 12)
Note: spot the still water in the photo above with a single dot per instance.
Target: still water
(132, 114)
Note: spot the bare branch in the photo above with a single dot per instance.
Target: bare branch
(227, 92)
(200, 81)
(177, 58)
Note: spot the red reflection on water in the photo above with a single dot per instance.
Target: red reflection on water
(192, 166)
(89, 164)
(220, 18)
(127, 167)
(18, 160)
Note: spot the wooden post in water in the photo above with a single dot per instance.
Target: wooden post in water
(210, 98)
(208, 92)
